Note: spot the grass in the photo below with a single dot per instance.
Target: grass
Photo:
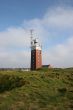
(37, 90)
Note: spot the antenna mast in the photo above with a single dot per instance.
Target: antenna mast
(31, 34)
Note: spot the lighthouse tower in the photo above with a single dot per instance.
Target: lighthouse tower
(36, 55)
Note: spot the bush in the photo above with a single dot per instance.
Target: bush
(8, 82)
(62, 90)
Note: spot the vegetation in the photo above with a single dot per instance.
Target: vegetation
(8, 82)
(45, 89)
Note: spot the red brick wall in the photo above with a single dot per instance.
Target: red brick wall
(36, 59)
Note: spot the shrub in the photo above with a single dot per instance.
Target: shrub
(62, 90)
(8, 82)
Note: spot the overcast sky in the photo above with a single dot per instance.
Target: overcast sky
(52, 22)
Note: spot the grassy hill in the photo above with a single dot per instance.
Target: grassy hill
(37, 90)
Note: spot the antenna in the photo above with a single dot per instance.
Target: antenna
(31, 34)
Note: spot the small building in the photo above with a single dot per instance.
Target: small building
(48, 66)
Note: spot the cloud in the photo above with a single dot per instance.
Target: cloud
(14, 48)
(61, 17)
(15, 42)
(14, 37)
(15, 59)
(60, 55)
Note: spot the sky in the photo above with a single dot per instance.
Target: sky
(52, 24)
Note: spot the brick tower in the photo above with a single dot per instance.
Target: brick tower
(36, 55)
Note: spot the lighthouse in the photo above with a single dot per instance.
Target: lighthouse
(36, 54)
